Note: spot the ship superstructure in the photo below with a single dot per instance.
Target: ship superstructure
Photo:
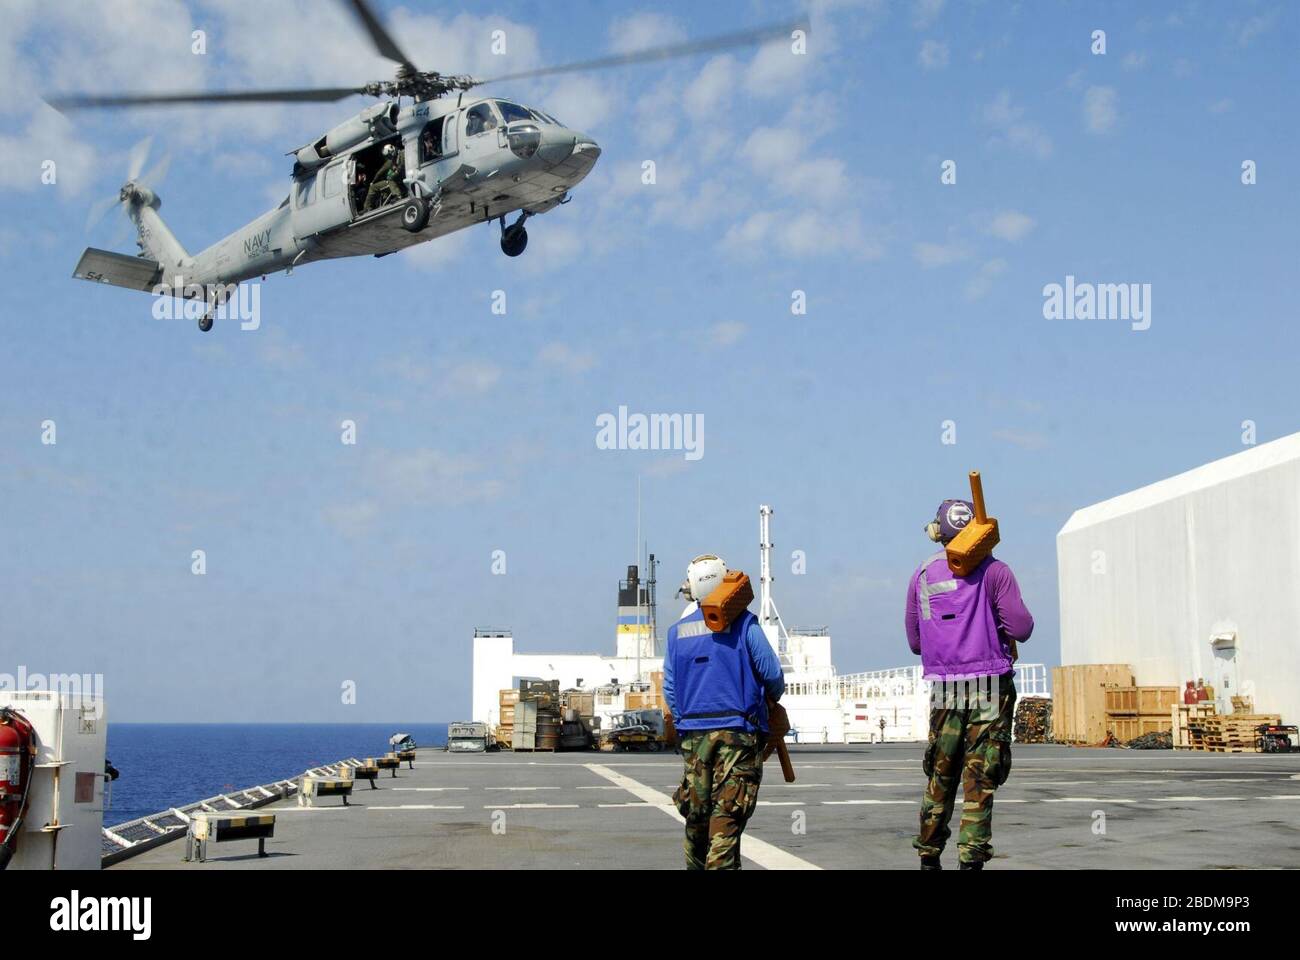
(824, 706)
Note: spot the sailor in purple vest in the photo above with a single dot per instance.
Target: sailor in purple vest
(965, 630)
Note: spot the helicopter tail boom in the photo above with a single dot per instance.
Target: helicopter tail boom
(154, 237)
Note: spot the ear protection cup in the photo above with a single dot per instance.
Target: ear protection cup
(932, 530)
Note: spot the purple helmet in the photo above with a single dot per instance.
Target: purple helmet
(951, 517)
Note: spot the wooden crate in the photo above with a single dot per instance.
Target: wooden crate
(1122, 701)
(1156, 700)
(1079, 699)
(509, 697)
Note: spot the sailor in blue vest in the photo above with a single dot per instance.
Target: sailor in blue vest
(717, 686)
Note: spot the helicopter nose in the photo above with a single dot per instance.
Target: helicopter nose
(563, 146)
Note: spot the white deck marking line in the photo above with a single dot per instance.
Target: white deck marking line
(1281, 796)
(801, 786)
(1082, 800)
(1190, 799)
(530, 806)
(766, 855)
(858, 803)
(521, 788)
(603, 786)
(782, 803)
(427, 789)
(417, 806)
(641, 804)
(1063, 783)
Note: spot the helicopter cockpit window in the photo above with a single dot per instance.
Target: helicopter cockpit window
(512, 111)
(306, 192)
(431, 141)
(480, 119)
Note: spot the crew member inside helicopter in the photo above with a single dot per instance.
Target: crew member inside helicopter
(479, 119)
(387, 186)
(431, 141)
(360, 183)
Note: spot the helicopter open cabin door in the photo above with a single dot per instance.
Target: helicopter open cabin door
(320, 200)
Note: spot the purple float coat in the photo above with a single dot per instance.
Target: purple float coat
(962, 627)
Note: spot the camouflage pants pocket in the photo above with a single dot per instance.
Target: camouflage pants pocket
(737, 801)
(682, 797)
(927, 761)
(999, 762)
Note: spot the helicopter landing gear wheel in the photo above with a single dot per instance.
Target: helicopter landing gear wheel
(205, 322)
(514, 238)
(514, 241)
(415, 214)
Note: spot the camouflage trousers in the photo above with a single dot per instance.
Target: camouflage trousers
(970, 746)
(718, 794)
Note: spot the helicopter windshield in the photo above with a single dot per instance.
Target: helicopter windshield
(513, 111)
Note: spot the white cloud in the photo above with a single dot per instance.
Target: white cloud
(642, 30)
(351, 519)
(1010, 225)
(581, 102)
(565, 358)
(712, 86)
(1254, 27)
(427, 476)
(776, 68)
(1007, 120)
(933, 55)
(925, 12)
(1222, 105)
(930, 255)
(1099, 109)
(1135, 60)
(277, 351)
(800, 235)
(470, 377)
(727, 333)
(982, 282)
(1024, 439)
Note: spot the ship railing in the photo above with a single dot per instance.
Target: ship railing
(132, 837)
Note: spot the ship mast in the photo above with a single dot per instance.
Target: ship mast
(769, 617)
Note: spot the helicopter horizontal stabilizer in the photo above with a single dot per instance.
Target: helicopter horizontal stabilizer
(118, 269)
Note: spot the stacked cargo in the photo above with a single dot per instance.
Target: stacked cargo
(580, 724)
(1079, 699)
(1033, 722)
(1133, 712)
(537, 716)
(1230, 733)
(505, 730)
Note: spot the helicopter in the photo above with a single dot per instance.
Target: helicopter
(432, 157)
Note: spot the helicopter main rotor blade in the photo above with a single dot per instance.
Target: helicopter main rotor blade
(672, 51)
(84, 101)
(136, 159)
(382, 39)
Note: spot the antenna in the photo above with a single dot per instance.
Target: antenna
(768, 616)
(638, 586)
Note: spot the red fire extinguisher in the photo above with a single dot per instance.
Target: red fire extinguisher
(17, 758)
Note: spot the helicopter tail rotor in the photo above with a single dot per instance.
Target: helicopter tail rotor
(138, 186)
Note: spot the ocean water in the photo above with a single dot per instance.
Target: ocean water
(171, 764)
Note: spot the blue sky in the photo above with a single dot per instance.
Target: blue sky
(476, 432)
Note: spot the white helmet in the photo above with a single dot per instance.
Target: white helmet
(703, 576)
(389, 149)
